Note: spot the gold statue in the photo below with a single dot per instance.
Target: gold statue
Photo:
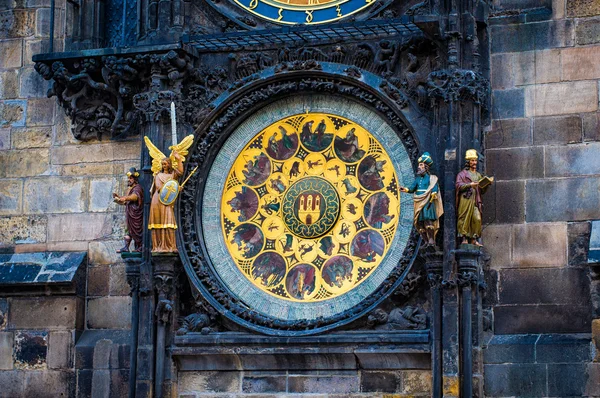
(164, 191)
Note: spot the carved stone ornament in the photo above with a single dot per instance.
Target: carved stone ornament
(398, 319)
(458, 85)
(284, 83)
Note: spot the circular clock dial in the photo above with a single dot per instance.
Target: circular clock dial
(310, 207)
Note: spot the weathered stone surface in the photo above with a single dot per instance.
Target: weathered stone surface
(264, 384)
(17, 23)
(539, 245)
(24, 163)
(497, 240)
(30, 350)
(561, 98)
(40, 111)
(91, 169)
(592, 385)
(558, 9)
(510, 349)
(10, 53)
(507, 133)
(596, 338)
(81, 227)
(9, 84)
(582, 8)
(45, 313)
(573, 160)
(523, 319)
(39, 383)
(100, 197)
(531, 36)
(4, 139)
(10, 197)
(32, 84)
(519, 380)
(12, 383)
(323, 384)
(31, 137)
(568, 199)
(544, 286)
(109, 313)
(535, 67)
(23, 229)
(199, 382)
(591, 126)
(105, 252)
(98, 277)
(108, 152)
(60, 350)
(118, 281)
(578, 234)
(13, 113)
(587, 31)
(415, 382)
(566, 380)
(502, 76)
(379, 381)
(557, 130)
(508, 104)
(515, 163)
(560, 348)
(521, 4)
(580, 63)
(55, 195)
(504, 202)
(6, 350)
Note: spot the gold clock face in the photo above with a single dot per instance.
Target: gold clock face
(310, 207)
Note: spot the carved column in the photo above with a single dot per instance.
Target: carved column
(132, 270)
(164, 269)
(434, 264)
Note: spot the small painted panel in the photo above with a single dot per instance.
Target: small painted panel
(310, 207)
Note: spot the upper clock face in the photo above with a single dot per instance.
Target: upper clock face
(304, 11)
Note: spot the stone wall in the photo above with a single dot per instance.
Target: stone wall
(543, 149)
(55, 195)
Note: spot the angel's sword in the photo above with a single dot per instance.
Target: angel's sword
(173, 124)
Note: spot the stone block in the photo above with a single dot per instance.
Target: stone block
(23, 229)
(567, 199)
(523, 319)
(557, 130)
(591, 126)
(17, 23)
(80, 227)
(30, 350)
(25, 163)
(510, 349)
(10, 197)
(100, 197)
(264, 384)
(557, 348)
(521, 4)
(582, 8)
(97, 281)
(36, 46)
(11, 53)
(558, 9)
(497, 240)
(39, 383)
(378, 381)
(587, 31)
(566, 380)
(580, 63)
(92, 169)
(515, 163)
(40, 111)
(32, 84)
(490, 295)
(109, 313)
(12, 383)
(578, 235)
(531, 36)
(416, 382)
(592, 385)
(539, 245)
(518, 380)
(13, 113)
(118, 281)
(502, 74)
(60, 350)
(536, 67)
(55, 195)
(48, 313)
(4, 139)
(93, 153)
(561, 98)
(6, 350)
(323, 384)
(200, 382)
(508, 104)
(596, 338)
(9, 84)
(119, 383)
(105, 252)
(31, 137)
(507, 133)
(3, 313)
(544, 286)
(575, 160)
(504, 202)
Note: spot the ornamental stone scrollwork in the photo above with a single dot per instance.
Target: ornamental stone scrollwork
(412, 318)
(458, 85)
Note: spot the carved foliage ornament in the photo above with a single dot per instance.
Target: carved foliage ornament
(458, 85)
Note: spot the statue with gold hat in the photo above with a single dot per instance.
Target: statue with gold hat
(470, 185)
(427, 200)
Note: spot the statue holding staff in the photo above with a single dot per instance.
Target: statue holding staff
(133, 201)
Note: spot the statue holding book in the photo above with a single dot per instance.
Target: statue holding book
(470, 185)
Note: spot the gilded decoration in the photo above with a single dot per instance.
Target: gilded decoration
(310, 207)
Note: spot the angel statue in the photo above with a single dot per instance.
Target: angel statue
(164, 191)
